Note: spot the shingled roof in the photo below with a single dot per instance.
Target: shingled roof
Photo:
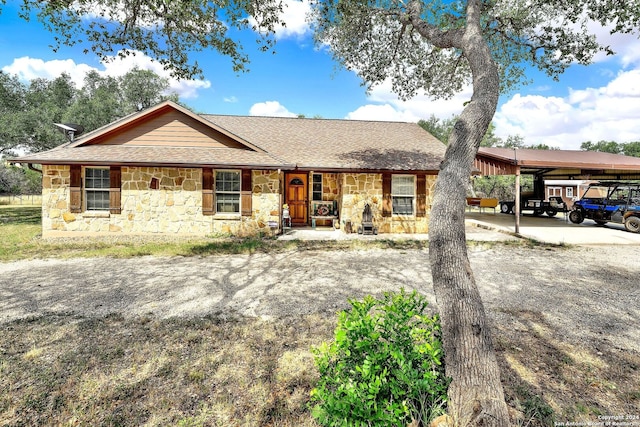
(339, 144)
(235, 141)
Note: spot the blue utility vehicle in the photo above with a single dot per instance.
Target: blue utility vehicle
(614, 201)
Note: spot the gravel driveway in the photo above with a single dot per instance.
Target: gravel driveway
(584, 293)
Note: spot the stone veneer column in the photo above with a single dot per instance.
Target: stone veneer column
(56, 180)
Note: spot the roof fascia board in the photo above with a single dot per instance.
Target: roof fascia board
(577, 165)
(284, 166)
(320, 169)
(165, 165)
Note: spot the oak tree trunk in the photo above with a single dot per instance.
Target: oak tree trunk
(476, 396)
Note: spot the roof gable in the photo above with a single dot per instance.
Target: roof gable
(165, 125)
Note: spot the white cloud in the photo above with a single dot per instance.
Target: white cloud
(387, 106)
(294, 15)
(625, 45)
(592, 114)
(384, 112)
(231, 99)
(270, 109)
(27, 68)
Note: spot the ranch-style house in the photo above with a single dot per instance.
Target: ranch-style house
(167, 170)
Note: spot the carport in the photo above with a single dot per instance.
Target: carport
(554, 164)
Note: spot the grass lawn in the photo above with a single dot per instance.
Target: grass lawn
(64, 370)
(21, 239)
(213, 371)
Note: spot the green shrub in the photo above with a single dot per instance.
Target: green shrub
(385, 366)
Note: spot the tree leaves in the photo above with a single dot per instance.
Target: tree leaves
(28, 111)
(376, 39)
(628, 149)
(165, 30)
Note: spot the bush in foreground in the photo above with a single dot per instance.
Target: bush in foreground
(385, 366)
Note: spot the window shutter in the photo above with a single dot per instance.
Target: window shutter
(387, 204)
(421, 195)
(115, 181)
(245, 193)
(75, 189)
(208, 207)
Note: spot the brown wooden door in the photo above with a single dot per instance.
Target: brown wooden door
(296, 197)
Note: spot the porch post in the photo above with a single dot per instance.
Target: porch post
(516, 208)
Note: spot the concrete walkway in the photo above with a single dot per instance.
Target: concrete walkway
(556, 230)
(475, 231)
(500, 227)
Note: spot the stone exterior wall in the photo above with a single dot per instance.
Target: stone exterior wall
(55, 198)
(174, 208)
(265, 209)
(330, 187)
(358, 189)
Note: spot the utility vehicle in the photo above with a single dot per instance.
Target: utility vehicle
(613, 201)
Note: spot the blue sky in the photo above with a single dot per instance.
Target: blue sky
(593, 103)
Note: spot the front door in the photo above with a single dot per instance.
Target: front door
(296, 197)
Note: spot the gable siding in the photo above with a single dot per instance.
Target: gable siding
(172, 129)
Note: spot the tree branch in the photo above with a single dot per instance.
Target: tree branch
(443, 39)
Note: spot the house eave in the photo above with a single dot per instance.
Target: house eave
(265, 166)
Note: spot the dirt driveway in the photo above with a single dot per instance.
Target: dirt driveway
(584, 294)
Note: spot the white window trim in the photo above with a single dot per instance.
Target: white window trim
(413, 201)
(85, 198)
(554, 192)
(227, 215)
(569, 192)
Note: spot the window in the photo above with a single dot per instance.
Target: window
(569, 191)
(554, 192)
(96, 184)
(316, 187)
(227, 191)
(402, 194)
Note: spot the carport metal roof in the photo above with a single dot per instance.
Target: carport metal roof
(556, 164)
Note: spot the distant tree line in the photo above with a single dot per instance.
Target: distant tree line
(17, 180)
(441, 128)
(628, 148)
(28, 112)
